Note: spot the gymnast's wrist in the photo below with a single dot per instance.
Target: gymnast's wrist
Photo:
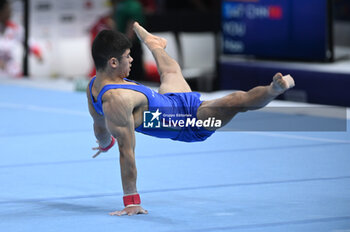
(132, 200)
(107, 145)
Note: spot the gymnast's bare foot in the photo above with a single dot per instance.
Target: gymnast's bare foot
(152, 41)
(281, 83)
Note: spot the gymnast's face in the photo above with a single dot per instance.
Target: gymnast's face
(125, 63)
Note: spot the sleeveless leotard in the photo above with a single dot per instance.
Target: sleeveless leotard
(173, 104)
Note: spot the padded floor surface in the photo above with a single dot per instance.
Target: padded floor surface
(234, 181)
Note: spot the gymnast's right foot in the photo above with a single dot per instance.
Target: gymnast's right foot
(280, 83)
(151, 41)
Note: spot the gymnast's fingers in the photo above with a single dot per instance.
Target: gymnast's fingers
(97, 153)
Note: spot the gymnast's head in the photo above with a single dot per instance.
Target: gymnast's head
(111, 52)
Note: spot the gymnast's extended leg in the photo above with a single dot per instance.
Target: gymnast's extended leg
(227, 107)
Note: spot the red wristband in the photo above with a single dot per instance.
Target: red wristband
(132, 200)
(109, 146)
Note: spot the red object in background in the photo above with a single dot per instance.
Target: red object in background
(151, 72)
(35, 49)
(275, 12)
(149, 5)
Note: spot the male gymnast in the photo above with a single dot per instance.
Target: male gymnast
(117, 105)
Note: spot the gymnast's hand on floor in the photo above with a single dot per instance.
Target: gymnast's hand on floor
(131, 210)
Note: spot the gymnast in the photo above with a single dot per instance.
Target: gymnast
(119, 106)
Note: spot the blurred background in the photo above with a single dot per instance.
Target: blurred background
(221, 45)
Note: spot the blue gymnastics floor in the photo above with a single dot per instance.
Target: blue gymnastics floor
(234, 181)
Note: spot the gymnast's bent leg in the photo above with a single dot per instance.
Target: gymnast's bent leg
(171, 76)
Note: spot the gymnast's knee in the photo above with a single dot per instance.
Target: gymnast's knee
(169, 68)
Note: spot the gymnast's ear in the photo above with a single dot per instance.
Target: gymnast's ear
(113, 62)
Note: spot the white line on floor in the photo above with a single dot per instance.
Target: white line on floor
(42, 109)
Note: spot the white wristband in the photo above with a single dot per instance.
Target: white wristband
(131, 205)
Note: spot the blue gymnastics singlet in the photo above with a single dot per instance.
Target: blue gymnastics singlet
(171, 108)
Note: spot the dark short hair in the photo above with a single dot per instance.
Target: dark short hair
(108, 44)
